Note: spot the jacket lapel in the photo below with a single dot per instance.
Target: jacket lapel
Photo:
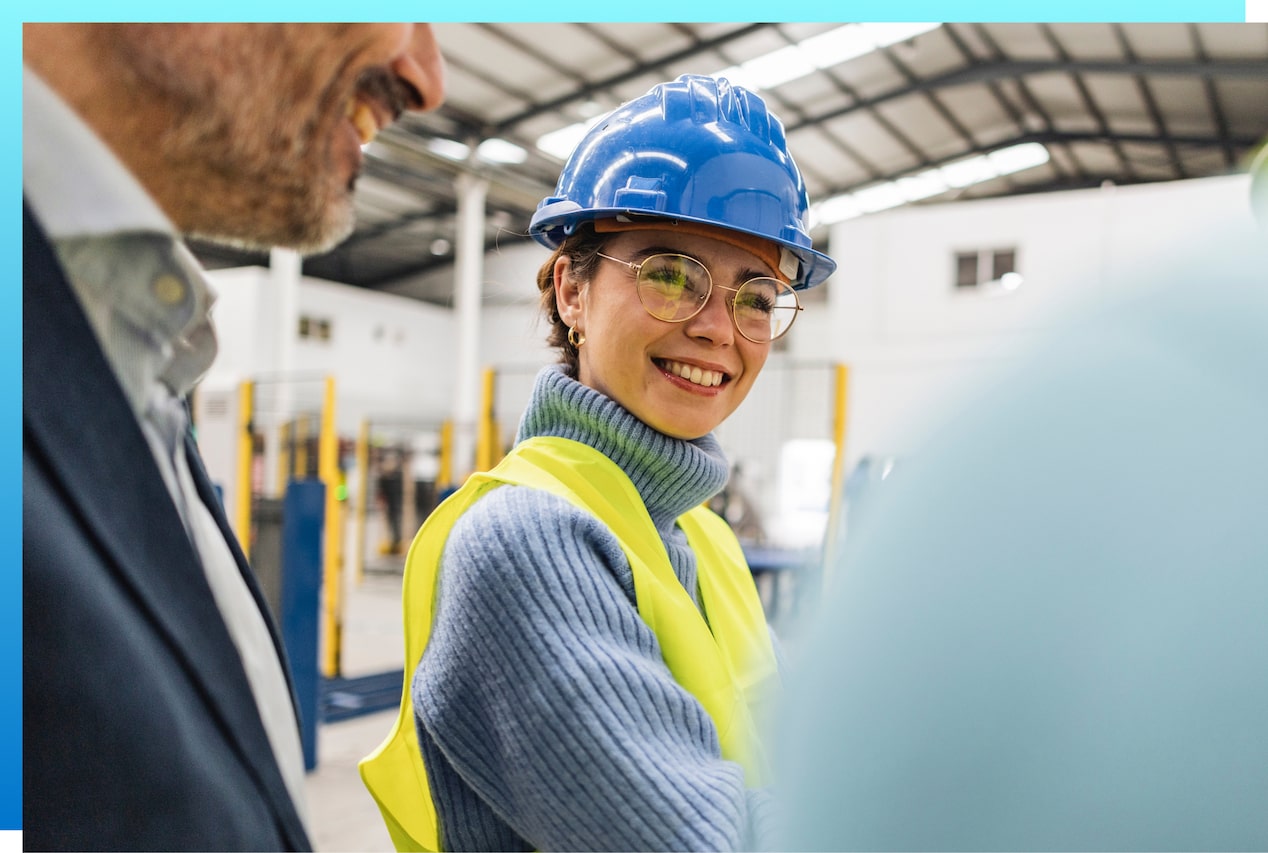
(75, 415)
(207, 492)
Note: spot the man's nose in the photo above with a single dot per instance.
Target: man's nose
(423, 67)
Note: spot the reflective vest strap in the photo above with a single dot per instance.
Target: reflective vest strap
(738, 622)
(730, 597)
(394, 772)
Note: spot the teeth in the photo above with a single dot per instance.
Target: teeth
(695, 375)
(363, 119)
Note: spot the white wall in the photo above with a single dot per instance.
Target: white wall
(391, 357)
(917, 345)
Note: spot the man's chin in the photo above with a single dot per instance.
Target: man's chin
(335, 233)
(308, 238)
(335, 227)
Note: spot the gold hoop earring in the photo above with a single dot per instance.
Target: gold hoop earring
(576, 338)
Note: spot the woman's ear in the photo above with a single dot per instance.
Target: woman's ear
(569, 293)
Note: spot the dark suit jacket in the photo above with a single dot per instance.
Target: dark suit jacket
(140, 730)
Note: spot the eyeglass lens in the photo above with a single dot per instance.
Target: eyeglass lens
(675, 288)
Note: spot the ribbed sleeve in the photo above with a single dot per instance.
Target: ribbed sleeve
(546, 715)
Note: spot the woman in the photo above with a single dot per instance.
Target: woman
(594, 649)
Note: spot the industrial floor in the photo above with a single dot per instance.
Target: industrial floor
(342, 815)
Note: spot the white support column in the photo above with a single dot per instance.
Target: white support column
(285, 269)
(468, 286)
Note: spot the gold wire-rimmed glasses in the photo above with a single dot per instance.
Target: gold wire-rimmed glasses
(675, 288)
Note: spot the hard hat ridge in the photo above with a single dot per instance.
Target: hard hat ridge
(735, 105)
(697, 149)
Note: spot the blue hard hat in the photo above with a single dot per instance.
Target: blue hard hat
(698, 149)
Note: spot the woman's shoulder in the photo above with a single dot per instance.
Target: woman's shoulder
(513, 527)
(517, 510)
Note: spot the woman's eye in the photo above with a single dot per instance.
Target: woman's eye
(754, 301)
(669, 276)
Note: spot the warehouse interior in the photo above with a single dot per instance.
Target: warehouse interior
(862, 105)
(975, 181)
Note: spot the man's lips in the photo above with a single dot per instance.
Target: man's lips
(379, 100)
(363, 119)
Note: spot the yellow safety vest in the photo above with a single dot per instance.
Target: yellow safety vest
(729, 669)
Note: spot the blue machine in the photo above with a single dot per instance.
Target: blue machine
(303, 514)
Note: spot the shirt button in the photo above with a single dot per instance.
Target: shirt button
(169, 289)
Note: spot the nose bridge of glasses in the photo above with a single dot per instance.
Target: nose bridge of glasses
(704, 297)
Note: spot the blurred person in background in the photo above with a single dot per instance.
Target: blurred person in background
(156, 704)
(586, 654)
(1049, 631)
(391, 497)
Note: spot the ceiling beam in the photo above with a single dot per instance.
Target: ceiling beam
(1060, 138)
(599, 86)
(1015, 69)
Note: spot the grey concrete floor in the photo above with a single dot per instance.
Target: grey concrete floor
(342, 815)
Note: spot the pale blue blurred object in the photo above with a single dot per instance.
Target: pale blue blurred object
(1051, 633)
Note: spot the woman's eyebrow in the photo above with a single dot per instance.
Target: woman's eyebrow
(750, 273)
(742, 275)
(647, 251)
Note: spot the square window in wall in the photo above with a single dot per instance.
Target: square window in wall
(982, 267)
(966, 269)
(1003, 262)
(314, 328)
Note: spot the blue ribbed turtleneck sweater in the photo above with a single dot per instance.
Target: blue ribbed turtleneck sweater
(546, 716)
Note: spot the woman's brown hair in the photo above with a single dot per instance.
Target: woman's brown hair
(582, 247)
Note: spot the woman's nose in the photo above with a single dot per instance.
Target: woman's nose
(713, 323)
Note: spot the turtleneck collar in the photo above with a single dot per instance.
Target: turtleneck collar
(671, 474)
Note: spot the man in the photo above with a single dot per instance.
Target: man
(1049, 632)
(157, 710)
